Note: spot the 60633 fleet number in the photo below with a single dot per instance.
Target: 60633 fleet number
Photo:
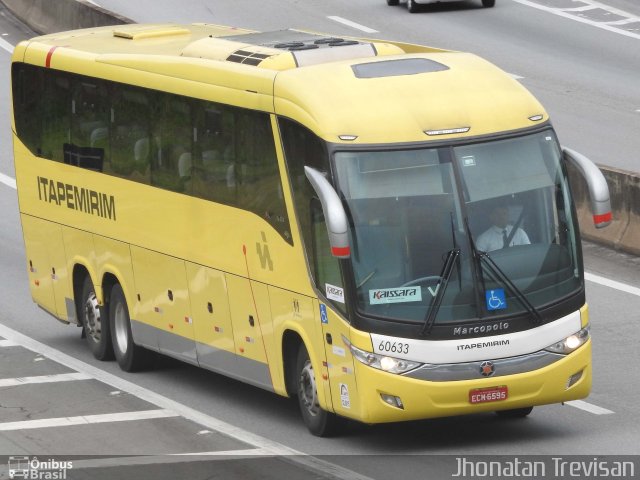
(393, 347)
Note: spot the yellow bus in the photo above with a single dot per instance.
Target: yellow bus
(384, 230)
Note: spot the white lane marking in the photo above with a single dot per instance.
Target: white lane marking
(588, 407)
(593, 23)
(8, 181)
(612, 284)
(578, 9)
(7, 343)
(6, 45)
(290, 455)
(623, 21)
(351, 24)
(62, 377)
(87, 419)
(513, 75)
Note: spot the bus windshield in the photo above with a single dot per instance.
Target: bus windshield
(414, 212)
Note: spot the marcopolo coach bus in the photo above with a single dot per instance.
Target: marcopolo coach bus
(381, 229)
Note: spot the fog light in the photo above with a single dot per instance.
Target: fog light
(574, 378)
(392, 400)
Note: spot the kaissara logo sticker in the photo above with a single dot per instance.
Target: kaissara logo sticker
(395, 295)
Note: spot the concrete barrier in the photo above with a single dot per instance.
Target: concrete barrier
(624, 231)
(48, 16)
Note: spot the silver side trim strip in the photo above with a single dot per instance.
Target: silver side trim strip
(208, 357)
(71, 310)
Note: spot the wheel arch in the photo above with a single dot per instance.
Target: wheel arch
(292, 338)
(79, 273)
(291, 341)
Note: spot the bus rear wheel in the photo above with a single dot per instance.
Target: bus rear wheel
(129, 356)
(515, 413)
(95, 323)
(319, 422)
(488, 3)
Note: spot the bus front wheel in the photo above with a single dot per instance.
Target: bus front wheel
(95, 323)
(130, 356)
(319, 422)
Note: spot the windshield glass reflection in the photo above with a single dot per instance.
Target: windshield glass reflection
(409, 209)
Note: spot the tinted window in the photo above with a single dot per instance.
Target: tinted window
(213, 151)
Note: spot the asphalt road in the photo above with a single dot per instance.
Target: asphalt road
(133, 426)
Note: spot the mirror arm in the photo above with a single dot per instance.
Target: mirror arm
(334, 214)
(597, 184)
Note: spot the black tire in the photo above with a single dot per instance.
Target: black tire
(94, 322)
(515, 413)
(412, 6)
(393, 3)
(130, 357)
(488, 3)
(319, 422)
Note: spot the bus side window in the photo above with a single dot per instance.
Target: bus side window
(326, 266)
(28, 87)
(56, 115)
(89, 144)
(256, 170)
(213, 171)
(172, 139)
(130, 127)
(303, 148)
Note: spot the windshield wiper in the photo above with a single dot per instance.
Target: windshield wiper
(502, 277)
(453, 258)
(499, 275)
(445, 275)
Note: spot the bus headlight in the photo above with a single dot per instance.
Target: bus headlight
(381, 362)
(571, 343)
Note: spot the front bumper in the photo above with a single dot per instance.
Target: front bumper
(423, 399)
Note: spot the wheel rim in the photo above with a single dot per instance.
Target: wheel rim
(92, 322)
(307, 389)
(120, 327)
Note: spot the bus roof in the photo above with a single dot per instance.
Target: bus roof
(349, 90)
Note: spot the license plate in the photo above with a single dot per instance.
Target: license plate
(491, 394)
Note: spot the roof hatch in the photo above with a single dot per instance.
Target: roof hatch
(285, 49)
(140, 32)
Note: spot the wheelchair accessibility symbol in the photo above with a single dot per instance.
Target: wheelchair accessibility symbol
(495, 299)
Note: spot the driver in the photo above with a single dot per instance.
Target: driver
(496, 236)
